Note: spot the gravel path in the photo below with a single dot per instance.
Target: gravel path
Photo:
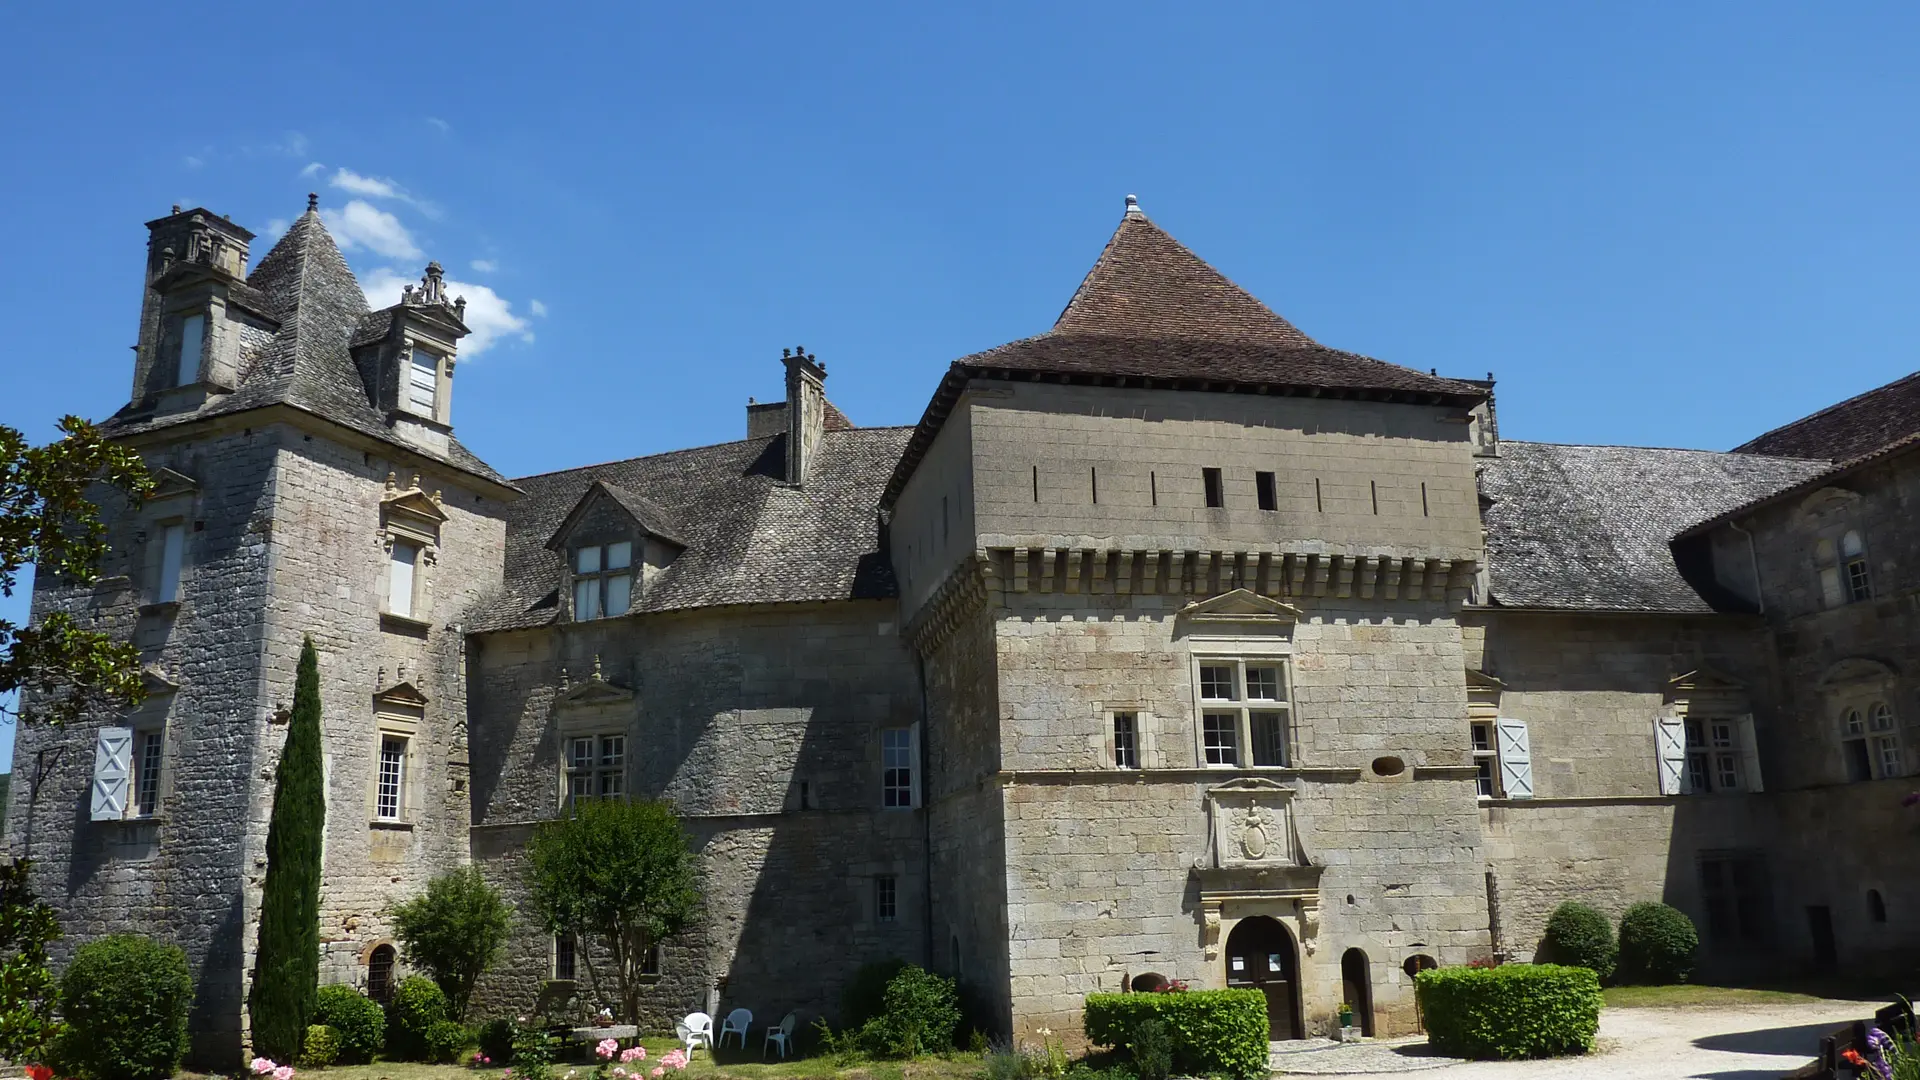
(1753, 1042)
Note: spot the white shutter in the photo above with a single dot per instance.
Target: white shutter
(1670, 752)
(400, 579)
(1516, 759)
(173, 543)
(1750, 755)
(112, 765)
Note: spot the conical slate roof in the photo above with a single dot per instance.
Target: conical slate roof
(1153, 314)
(305, 286)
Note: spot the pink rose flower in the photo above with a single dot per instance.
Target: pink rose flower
(261, 1066)
(284, 1072)
(607, 1048)
(633, 1053)
(659, 1071)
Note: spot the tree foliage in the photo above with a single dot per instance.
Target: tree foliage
(619, 875)
(48, 518)
(1579, 936)
(454, 931)
(125, 999)
(1657, 945)
(27, 926)
(286, 972)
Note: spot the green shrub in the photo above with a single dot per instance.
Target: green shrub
(125, 1000)
(356, 1018)
(920, 1013)
(532, 1054)
(323, 1047)
(1510, 1011)
(445, 1040)
(27, 989)
(1657, 944)
(1152, 1049)
(454, 931)
(1579, 936)
(496, 1039)
(1211, 1031)
(866, 995)
(417, 1005)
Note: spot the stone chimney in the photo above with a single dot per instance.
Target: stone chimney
(806, 411)
(192, 256)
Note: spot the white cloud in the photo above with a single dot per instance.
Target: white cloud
(193, 162)
(489, 315)
(439, 123)
(362, 224)
(314, 169)
(539, 309)
(275, 229)
(376, 187)
(486, 266)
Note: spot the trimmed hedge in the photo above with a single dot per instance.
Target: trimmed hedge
(323, 1047)
(125, 999)
(1579, 936)
(356, 1018)
(1510, 1011)
(1212, 1031)
(1657, 944)
(418, 1004)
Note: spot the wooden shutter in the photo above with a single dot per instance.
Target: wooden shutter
(1516, 759)
(112, 769)
(1670, 753)
(1749, 753)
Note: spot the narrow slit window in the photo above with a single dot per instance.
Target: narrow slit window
(147, 780)
(1216, 495)
(388, 798)
(896, 769)
(1093, 481)
(400, 579)
(1036, 483)
(1319, 505)
(565, 957)
(1854, 563)
(1374, 486)
(886, 898)
(193, 336)
(1424, 512)
(1153, 487)
(1269, 496)
(1126, 735)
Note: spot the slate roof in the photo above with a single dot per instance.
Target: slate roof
(1589, 527)
(1853, 428)
(304, 285)
(1152, 313)
(749, 536)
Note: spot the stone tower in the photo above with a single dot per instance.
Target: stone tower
(310, 485)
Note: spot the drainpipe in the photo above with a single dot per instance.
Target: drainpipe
(1753, 557)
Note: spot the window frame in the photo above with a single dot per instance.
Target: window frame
(408, 366)
(600, 579)
(1242, 707)
(399, 782)
(890, 789)
(413, 565)
(1738, 913)
(886, 898)
(170, 561)
(1486, 758)
(148, 772)
(1124, 724)
(186, 369)
(566, 946)
(605, 774)
(1870, 742)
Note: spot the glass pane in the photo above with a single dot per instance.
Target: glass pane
(193, 333)
(1854, 726)
(1722, 735)
(620, 555)
(586, 599)
(580, 754)
(1882, 717)
(587, 561)
(619, 593)
(611, 785)
(173, 543)
(423, 379)
(1485, 775)
(1269, 738)
(613, 751)
(1216, 683)
(1220, 738)
(400, 582)
(1263, 683)
(1850, 544)
(1482, 737)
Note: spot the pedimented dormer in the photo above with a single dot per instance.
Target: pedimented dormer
(406, 356)
(614, 542)
(200, 318)
(1237, 613)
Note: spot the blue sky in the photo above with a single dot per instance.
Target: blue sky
(1662, 224)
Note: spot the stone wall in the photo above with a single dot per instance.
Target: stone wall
(762, 726)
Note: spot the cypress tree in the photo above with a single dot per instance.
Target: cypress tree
(286, 971)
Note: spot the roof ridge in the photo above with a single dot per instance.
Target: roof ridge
(1663, 449)
(697, 449)
(1833, 408)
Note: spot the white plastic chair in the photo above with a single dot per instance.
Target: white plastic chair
(736, 1023)
(781, 1036)
(695, 1031)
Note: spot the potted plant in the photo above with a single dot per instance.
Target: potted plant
(1346, 1015)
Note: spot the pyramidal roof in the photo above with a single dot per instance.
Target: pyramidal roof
(304, 285)
(1151, 313)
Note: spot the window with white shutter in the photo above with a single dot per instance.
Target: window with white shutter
(112, 772)
(1670, 753)
(193, 337)
(423, 381)
(1516, 758)
(173, 546)
(400, 578)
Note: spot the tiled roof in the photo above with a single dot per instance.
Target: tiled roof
(304, 285)
(1589, 527)
(1152, 313)
(750, 538)
(1853, 428)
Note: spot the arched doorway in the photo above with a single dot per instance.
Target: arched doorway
(1260, 957)
(380, 974)
(1356, 987)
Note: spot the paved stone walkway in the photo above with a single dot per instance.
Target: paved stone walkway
(1755, 1042)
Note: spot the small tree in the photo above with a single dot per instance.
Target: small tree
(1579, 936)
(454, 931)
(286, 971)
(27, 1026)
(617, 872)
(48, 519)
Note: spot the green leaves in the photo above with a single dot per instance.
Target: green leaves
(125, 998)
(27, 926)
(454, 931)
(1510, 1011)
(49, 517)
(287, 965)
(1212, 1031)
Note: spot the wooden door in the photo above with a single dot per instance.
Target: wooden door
(1260, 957)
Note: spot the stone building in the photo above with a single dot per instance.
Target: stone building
(1169, 643)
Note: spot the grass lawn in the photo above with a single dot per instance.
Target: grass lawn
(1690, 996)
(733, 1062)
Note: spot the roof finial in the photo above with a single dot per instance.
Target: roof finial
(1133, 207)
(313, 201)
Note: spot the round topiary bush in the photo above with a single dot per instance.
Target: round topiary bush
(322, 1048)
(357, 1019)
(1657, 945)
(1579, 936)
(417, 1005)
(125, 999)
(445, 1040)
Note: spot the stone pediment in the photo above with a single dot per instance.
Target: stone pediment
(155, 681)
(169, 484)
(411, 509)
(1240, 607)
(1859, 670)
(1480, 680)
(1250, 826)
(1703, 681)
(593, 690)
(403, 695)
(643, 515)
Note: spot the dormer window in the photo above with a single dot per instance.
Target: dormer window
(193, 337)
(602, 580)
(423, 382)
